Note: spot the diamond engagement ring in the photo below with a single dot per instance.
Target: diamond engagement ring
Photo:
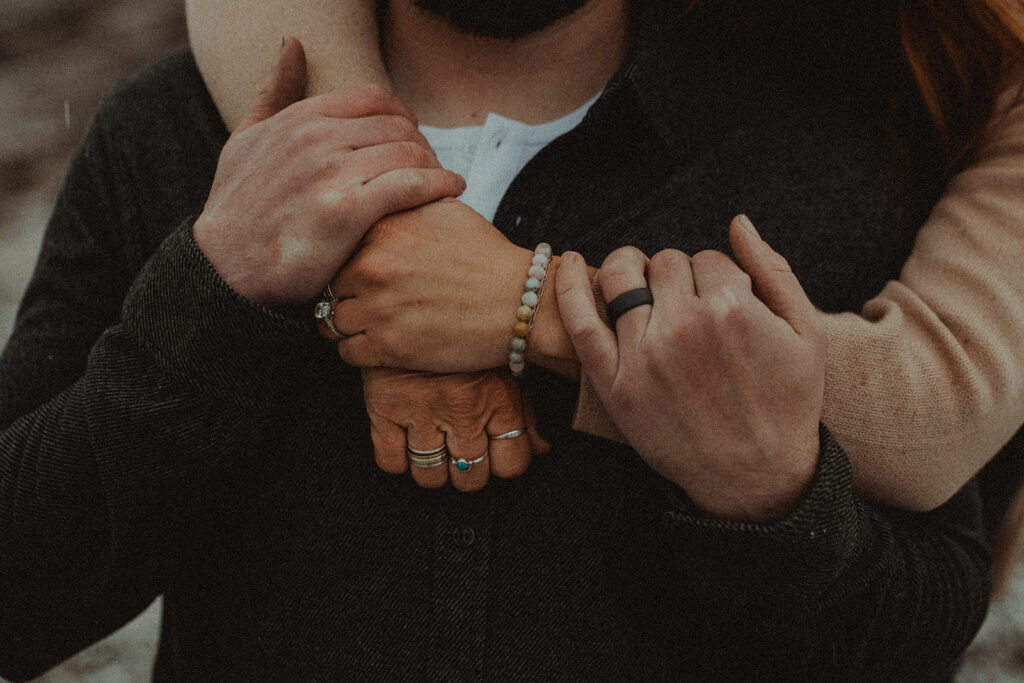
(324, 311)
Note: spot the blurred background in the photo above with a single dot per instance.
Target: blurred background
(57, 58)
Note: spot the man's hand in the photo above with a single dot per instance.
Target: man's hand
(300, 182)
(461, 411)
(719, 384)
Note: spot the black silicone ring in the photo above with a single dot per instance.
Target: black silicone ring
(628, 301)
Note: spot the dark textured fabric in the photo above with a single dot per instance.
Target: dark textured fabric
(163, 435)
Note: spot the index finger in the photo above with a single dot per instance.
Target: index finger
(773, 279)
(595, 344)
(357, 102)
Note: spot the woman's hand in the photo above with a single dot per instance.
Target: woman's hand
(300, 182)
(719, 384)
(462, 412)
(433, 289)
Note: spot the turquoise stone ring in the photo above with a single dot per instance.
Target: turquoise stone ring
(463, 465)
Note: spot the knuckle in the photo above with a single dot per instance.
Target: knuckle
(501, 388)
(397, 127)
(302, 137)
(680, 331)
(708, 258)
(515, 466)
(414, 154)
(391, 465)
(390, 352)
(412, 180)
(623, 258)
(586, 337)
(357, 351)
(778, 262)
(349, 353)
(727, 309)
(406, 189)
(326, 169)
(331, 202)
(669, 259)
(371, 266)
(621, 270)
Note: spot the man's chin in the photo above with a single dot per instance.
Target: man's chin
(500, 18)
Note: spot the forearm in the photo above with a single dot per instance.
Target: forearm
(848, 590)
(102, 485)
(925, 386)
(341, 43)
(97, 500)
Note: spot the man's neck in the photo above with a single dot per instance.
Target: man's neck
(453, 79)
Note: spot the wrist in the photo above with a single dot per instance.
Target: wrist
(549, 345)
(764, 498)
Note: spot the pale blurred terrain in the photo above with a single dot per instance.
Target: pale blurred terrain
(57, 58)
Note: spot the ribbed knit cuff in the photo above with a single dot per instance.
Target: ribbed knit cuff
(792, 561)
(206, 334)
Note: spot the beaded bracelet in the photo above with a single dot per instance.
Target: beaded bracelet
(527, 312)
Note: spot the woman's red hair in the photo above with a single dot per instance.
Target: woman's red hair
(959, 51)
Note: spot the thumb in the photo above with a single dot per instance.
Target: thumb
(773, 280)
(285, 85)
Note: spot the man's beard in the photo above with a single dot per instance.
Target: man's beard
(500, 18)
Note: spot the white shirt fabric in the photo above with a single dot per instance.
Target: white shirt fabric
(490, 156)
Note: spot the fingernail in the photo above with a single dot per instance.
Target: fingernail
(570, 257)
(745, 223)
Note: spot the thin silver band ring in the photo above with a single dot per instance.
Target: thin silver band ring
(509, 435)
(427, 463)
(427, 459)
(433, 451)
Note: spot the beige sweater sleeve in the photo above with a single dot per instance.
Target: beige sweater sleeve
(927, 383)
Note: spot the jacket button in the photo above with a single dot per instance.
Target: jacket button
(464, 535)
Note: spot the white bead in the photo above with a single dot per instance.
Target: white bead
(543, 248)
(517, 368)
(516, 357)
(533, 285)
(537, 272)
(518, 344)
(540, 260)
(530, 299)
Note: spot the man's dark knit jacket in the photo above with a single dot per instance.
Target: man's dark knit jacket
(164, 435)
